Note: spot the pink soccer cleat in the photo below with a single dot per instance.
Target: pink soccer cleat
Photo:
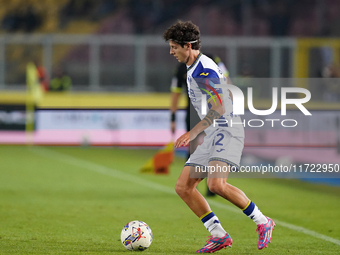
(216, 244)
(265, 233)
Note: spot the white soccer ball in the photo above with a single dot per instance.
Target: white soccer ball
(136, 235)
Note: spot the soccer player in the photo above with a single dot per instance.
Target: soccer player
(222, 146)
(178, 82)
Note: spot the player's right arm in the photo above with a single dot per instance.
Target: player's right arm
(215, 112)
(205, 79)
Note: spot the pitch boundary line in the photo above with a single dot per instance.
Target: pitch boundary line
(47, 153)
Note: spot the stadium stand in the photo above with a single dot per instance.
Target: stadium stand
(216, 18)
(259, 18)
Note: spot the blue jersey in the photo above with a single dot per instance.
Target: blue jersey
(205, 82)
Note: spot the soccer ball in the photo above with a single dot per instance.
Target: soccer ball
(136, 236)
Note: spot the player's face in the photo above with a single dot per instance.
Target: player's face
(179, 52)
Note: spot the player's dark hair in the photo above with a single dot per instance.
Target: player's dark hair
(183, 32)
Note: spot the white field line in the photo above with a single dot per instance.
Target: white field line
(51, 154)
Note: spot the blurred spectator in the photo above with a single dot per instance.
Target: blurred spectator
(103, 9)
(148, 14)
(280, 19)
(22, 18)
(141, 14)
(66, 13)
(74, 9)
(61, 81)
(278, 14)
(30, 20)
(11, 21)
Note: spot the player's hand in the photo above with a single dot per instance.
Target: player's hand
(173, 126)
(183, 140)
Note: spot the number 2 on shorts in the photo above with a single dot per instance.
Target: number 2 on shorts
(218, 142)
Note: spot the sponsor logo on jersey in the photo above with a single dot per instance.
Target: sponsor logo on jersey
(205, 74)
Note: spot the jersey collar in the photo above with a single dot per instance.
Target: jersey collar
(196, 60)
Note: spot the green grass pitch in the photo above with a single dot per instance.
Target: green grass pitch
(71, 200)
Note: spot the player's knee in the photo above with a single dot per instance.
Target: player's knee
(215, 187)
(183, 189)
(180, 189)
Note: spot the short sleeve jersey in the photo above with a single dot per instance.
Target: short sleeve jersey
(205, 81)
